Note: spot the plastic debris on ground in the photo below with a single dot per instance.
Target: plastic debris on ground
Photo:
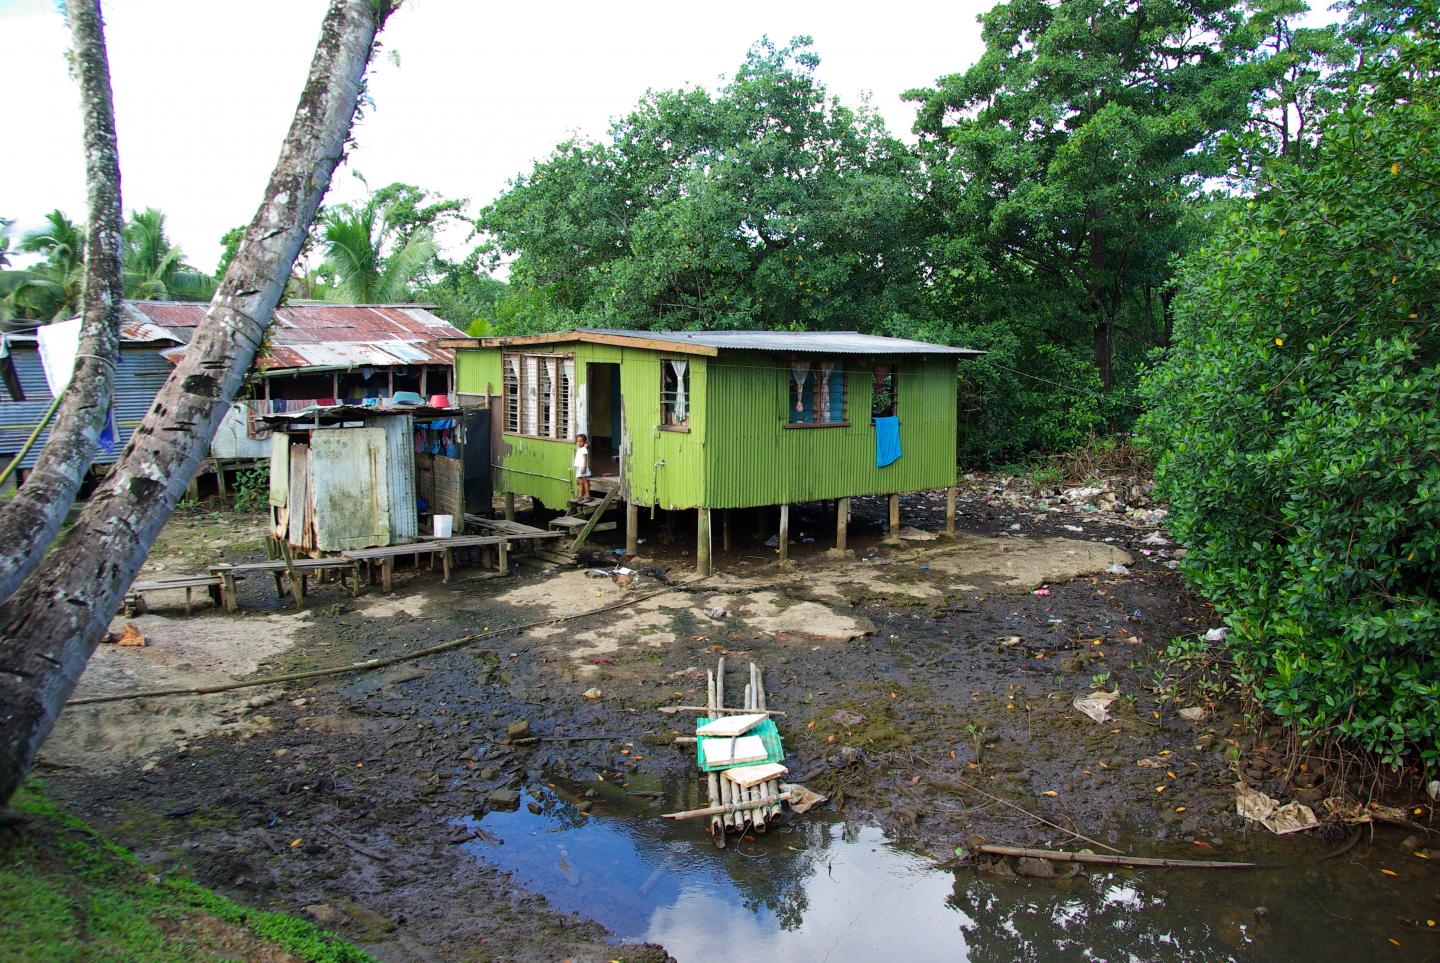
(1097, 704)
(1255, 806)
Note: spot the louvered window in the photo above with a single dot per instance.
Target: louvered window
(539, 393)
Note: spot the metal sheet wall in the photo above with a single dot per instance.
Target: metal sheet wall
(753, 459)
(400, 477)
(140, 372)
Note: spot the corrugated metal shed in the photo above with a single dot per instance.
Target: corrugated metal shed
(322, 336)
(139, 374)
(820, 342)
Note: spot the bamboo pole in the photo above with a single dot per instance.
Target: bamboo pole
(717, 826)
(730, 808)
(1059, 856)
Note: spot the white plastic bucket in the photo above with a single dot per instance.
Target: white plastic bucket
(444, 526)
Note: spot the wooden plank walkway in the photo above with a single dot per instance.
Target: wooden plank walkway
(135, 597)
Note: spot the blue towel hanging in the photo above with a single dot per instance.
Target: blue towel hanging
(887, 441)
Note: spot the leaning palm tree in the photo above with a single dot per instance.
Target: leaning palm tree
(154, 268)
(371, 261)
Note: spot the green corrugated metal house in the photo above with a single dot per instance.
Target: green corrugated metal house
(714, 419)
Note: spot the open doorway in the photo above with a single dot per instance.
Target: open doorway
(603, 418)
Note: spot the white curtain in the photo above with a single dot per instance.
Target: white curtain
(799, 371)
(530, 407)
(822, 392)
(682, 401)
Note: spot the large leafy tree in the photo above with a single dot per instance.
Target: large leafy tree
(1064, 165)
(1297, 426)
(765, 204)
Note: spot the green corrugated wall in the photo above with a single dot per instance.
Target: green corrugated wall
(738, 452)
(665, 468)
(753, 459)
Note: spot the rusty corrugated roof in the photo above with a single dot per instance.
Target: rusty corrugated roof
(316, 335)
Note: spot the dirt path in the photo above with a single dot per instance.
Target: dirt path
(909, 672)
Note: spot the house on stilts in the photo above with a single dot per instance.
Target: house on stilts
(716, 420)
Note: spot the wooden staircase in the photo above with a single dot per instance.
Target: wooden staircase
(586, 517)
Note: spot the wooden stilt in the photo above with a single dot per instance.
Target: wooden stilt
(702, 542)
(842, 522)
(447, 562)
(784, 533)
(297, 589)
(725, 528)
(387, 574)
(510, 506)
(502, 558)
(227, 591)
(221, 480)
(950, 511)
(894, 534)
(632, 528)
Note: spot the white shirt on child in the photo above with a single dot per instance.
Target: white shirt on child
(582, 456)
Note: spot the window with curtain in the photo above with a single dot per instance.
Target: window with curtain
(885, 394)
(674, 393)
(538, 396)
(817, 393)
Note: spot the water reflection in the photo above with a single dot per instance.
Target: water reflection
(816, 889)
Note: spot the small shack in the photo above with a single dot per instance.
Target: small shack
(347, 477)
(717, 420)
(314, 354)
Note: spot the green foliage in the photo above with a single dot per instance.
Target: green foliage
(50, 290)
(1296, 425)
(1064, 174)
(68, 894)
(154, 269)
(765, 205)
(252, 488)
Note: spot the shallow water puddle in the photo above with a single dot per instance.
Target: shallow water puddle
(817, 889)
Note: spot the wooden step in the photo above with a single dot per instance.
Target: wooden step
(571, 523)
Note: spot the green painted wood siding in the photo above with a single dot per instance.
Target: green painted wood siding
(664, 467)
(753, 459)
(738, 452)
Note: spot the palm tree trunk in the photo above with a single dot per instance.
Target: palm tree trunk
(49, 628)
(29, 521)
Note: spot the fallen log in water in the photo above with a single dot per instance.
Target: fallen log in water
(1060, 856)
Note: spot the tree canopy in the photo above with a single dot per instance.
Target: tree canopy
(767, 204)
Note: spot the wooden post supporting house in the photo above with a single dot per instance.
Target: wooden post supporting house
(632, 528)
(842, 522)
(950, 511)
(509, 506)
(784, 533)
(702, 542)
(894, 534)
(725, 528)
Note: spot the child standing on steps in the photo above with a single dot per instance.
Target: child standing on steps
(582, 465)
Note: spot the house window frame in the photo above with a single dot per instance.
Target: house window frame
(791, 389)
(522, 395)
(667, 406)
(894, 390)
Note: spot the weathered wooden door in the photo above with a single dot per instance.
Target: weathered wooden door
(350, 488)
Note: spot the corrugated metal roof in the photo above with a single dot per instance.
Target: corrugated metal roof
(317, 335)
(819, 342)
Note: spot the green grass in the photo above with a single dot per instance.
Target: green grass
(68, 894)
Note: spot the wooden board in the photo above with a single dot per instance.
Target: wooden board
(749, 776)
(731, 725)
(721, 752)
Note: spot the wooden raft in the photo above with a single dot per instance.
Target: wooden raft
(744, 809)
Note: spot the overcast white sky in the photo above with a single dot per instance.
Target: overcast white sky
(204, 90)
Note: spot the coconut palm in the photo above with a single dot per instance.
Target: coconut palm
(50, 290)
(155, 269)
(370, 259)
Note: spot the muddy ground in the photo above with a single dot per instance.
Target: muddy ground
(928, 688)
